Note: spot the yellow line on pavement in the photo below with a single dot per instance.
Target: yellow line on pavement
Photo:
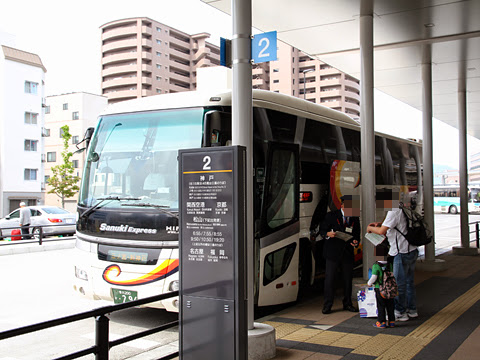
(414, 342)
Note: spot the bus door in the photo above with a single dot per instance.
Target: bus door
(278, 239)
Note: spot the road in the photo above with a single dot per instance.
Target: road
(37, 287)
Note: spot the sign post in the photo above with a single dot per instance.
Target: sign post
(213, 319)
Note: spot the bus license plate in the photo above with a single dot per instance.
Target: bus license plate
(123, 296)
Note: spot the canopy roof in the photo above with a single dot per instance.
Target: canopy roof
(329, 31)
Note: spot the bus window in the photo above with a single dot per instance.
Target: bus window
(281, 189)
(277, 262)
(218, 129)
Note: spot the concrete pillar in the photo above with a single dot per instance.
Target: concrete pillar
(261, 337)
(429, 263)
(464, 248)
(367, 128)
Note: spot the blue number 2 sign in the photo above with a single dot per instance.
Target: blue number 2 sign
(264, 47)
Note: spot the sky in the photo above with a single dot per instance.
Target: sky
(66, 36)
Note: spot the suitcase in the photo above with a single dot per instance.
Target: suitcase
(16, 232)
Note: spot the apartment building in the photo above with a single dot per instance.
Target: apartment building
(22, 83)
(142, 57)
(297, 74)
(79, 111)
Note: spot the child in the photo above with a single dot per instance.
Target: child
(376, 279)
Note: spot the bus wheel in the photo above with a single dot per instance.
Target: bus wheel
(304, 264)
(452, 209)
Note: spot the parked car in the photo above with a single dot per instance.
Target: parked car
(52, 219)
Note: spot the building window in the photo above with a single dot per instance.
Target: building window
(65, 106)
(159, 41)
(46, 178)
(45, 132)
(31, 87)
(159, 66)
(276, 70)
(51, 156)
(75, 115)
(31, 145)
(159, 91)
(159, 29)
(159, 53)
(75, 139)
(75, 164)
(276, 81)
(30, 174)
(61, 133)
(159, 78)
(47, 109)
(31, 118)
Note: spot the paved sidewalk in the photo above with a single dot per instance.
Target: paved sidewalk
(448, 326)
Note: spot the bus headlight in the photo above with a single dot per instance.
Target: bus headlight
(174, 286)
(81, 274)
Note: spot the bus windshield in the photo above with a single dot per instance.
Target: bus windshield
(134, 157)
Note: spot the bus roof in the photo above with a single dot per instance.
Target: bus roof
(261, 98)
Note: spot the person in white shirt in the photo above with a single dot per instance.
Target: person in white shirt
(404, 255)
(24, 221)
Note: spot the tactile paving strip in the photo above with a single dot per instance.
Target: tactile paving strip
(383, 346)
(302, 335)
(377, 345)
(283, 329)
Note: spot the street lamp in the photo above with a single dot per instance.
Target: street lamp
(304, 80)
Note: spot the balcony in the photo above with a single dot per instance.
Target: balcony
(120, 45)
(147, 43)
(121, 57)
(121, 95)
(119, 32)
(123, 69)
(120, 82)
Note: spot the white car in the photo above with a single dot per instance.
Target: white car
(52, 219)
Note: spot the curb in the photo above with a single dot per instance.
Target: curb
(47, 245)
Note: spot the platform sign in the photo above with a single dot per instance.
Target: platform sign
(212, 260)
(264, 47)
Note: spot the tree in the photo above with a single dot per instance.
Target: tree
(62, 181)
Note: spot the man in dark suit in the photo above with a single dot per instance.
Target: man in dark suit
(339, 251)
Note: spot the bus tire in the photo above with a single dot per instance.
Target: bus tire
(304, 264)
(452, 209)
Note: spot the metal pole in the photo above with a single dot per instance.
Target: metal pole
(477, 233)
(101, 337)
(462, 152)
(242, 119)
(367, 128)
(427, 148)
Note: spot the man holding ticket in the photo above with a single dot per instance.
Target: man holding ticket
(341, 232)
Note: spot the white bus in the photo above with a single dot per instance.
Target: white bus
(127, 232)
(446, 198)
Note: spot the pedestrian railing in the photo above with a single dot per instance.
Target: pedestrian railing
(102, 342)
(32, 237)
(476, 231)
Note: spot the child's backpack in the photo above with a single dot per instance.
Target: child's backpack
(388, 288)
(417, 233)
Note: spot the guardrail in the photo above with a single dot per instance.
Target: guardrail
(476, 232)
(102, 343)
(38, 237)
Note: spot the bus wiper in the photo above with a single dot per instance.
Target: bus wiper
(161, 208)
(102, 200)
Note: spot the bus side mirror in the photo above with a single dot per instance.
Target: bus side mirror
(86, 138)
